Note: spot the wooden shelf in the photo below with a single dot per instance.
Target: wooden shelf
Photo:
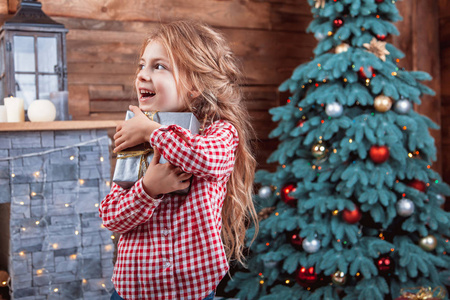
(59, 125)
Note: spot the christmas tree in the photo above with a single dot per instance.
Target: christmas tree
(353, 208)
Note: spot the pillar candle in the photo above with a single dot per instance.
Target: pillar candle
(14, 109)
(3, 113)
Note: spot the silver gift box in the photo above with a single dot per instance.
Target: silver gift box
(132, 163)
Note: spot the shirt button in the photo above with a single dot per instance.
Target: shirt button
(165, 232)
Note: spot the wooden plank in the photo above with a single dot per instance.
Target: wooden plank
(445, 126)
(291, 17)
(78, 100)
(4, 7)
(59, 125)
(445, 71)
(249, 14)
(101, 68)
(256, 71)
(444, 8)
(444, 32)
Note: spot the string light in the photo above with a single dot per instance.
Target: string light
(287, 281)
(335, 212)
(13, 175)
(277, 214)
(81, 181)
(76, 232)
(72, 157)
(55, 246)
(37, 222)
(56, 290)
(21, 253)
(101, 158)
(36, 174)
(33, 194)
(267, 244)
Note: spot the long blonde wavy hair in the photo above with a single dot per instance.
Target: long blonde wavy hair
(203, 62)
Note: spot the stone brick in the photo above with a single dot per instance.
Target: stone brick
(91, 268)
(47, 139)
(26, 139)
(43, 259)
(67, 266)
(62, 172)
(5, 142)
(4, 168)
(41, 280)
(66, 252)
(62, 140)
(21, 293)
(54, 242)
(5, 191)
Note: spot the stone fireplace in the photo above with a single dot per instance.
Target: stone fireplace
(53, 244)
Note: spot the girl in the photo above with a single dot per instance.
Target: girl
(180, 246)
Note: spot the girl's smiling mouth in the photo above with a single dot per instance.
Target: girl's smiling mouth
(145, 94)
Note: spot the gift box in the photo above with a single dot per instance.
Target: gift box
(132, 163)
(422, 293)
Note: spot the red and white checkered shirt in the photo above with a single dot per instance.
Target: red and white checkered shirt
(170, 248)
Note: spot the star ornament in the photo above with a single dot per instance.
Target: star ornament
(378, 48)
(320, 3)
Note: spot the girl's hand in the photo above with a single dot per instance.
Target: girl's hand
(134, 131)
(163, 178)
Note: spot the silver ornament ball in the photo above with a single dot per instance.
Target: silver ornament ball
(405, 207)
(265, 192)
(334, 109)
(319, 36)
(402, 106)
(440, 199)
(311, 246)
(270, 264)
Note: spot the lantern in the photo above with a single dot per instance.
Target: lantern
(32, 54)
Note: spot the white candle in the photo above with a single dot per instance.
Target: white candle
(3, 113)
(14, 109)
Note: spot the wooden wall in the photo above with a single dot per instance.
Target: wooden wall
(444, 40)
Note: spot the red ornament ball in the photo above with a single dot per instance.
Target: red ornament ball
(352, 216)
(385, 264)
(381, 37)
(418, 185)
(285, 191)
(296, 240)
(379, 1)
(379, 154)
(338, 22)
(306, 276)
(366, 72)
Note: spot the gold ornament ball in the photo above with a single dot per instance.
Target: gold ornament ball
(382, 103)
(339, 278)
(319, 150)
(342, 48)
(428, 243)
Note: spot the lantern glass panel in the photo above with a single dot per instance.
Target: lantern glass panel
(26, 88)
(24, 58)
(47, 54)
(47, 84)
